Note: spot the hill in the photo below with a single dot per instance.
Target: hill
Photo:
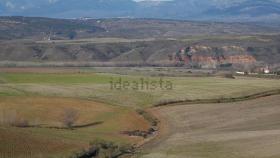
(42, 28)
(38, 28)
(138, 42)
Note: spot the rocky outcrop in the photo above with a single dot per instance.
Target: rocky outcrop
(241, 59)
(212, 57)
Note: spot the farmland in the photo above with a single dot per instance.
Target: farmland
(45, 139)
(41, 96)
(228, 130)
(96, 86)
(77, 81)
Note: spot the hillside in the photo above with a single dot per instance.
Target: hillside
(203, 52)
(43, 28)
(139, 42)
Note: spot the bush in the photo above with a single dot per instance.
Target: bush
(105, 149)
(70, 116)
(152, 120)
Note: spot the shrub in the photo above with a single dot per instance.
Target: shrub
(70, 116)
(105, 149)
(152, 120)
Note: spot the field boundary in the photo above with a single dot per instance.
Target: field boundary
(63, 128)
(219, 100)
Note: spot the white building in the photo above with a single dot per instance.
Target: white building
(266, 70)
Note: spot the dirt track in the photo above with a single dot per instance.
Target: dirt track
(228, 130)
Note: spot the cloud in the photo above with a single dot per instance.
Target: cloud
(10, 5)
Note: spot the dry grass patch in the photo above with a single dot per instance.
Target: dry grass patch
(45, 135)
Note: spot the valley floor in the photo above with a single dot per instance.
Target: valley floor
(43, 133)
(249, 129)
(39, 100)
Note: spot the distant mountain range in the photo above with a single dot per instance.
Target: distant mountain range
(217, 10)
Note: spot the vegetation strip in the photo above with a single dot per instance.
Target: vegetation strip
(150, 132)
(220, 100)
(62, 128)
(109, 149)
(106, 149)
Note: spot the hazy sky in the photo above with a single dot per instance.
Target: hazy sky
(151, 0)
(232, 10)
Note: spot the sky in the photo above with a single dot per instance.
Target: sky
(150, 0)
(243, 10)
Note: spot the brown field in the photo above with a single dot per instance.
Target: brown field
(18, 143)
(46, 112)
(249, 129)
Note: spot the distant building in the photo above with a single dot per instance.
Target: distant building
(266, 70)
(240, 73)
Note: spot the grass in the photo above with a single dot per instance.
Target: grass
(51, 142)
(200, 150)
(227, 130)
(55, 78)
(97, 86)
(41, 98)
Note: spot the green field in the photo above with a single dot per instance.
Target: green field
(41, 98)
(97, 86)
